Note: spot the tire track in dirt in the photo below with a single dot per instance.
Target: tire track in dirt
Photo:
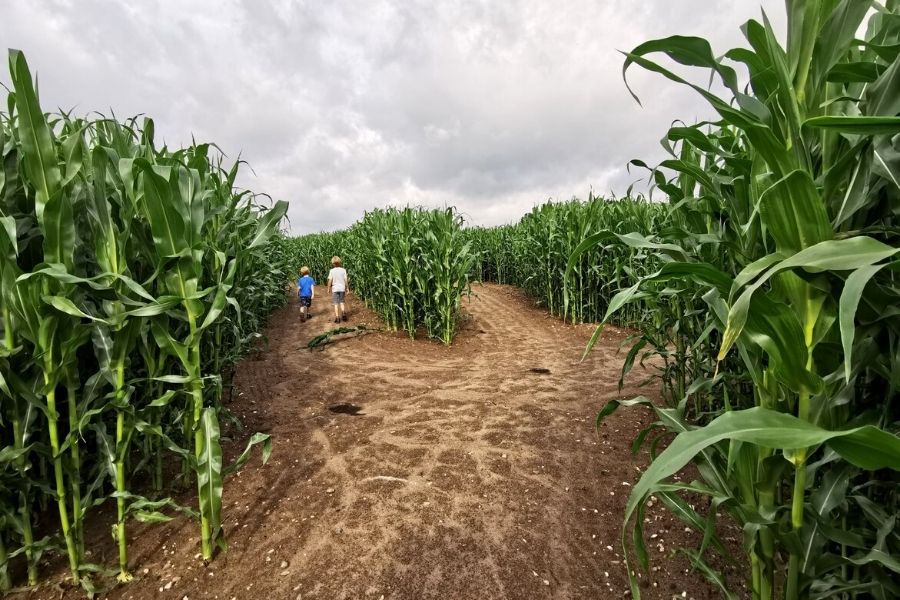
(473, 471)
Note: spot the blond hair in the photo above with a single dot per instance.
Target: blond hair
(335, 261)
(304, 270)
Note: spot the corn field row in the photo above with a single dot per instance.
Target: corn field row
(132, 278)
(768, 287)
(574, 257)
(777, 272)
(533, 254)
(409, 265)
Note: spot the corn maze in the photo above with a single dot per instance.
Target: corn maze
(755, 291)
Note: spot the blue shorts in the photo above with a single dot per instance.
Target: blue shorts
(337, 297)
(306, 301)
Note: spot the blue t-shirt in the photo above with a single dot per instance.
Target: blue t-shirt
(305, 285)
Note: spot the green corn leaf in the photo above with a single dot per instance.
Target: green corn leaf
(98, 283)
(881, 97)
(59, 230)
(833, 255)
(833, 490)
(836, 37)
(268, 224)
(220, 301)
(636, 240)
(711, 574)
(162, 211)
(860, 125)
(794, 213)
(256, 438)
(209, 472)
(595, 337)
(877, 556)
(163, 400)
(36, 137)
(166, 342)
(690, 51)
(853, 290)
(866, 447)
(170, 445)
(9, 228)
(145, 516)
(178, 379)
(68, 307)
(163, 306)
(588, 243)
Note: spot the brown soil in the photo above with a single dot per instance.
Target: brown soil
(471, 471)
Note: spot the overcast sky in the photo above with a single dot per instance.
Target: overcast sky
(341, 107)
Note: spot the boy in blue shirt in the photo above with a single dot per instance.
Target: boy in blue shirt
(306, 290)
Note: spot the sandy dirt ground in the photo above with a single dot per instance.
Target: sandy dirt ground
(403, 469)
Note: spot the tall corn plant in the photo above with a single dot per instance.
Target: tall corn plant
(784, 218)
(18, 416)
(173, 204)
(442, 275)
(42, 304)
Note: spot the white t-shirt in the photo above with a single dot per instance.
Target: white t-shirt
(338, 278)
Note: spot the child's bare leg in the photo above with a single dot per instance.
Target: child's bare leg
(343, 312)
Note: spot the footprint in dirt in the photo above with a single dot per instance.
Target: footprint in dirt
(539, 370)
(346, 409)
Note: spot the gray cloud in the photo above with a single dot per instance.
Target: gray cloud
(343, 107)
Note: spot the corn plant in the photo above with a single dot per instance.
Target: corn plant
(534, 254)
(129, 276)
(412, 266)
(782, 223)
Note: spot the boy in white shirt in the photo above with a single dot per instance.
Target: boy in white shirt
(338, 284)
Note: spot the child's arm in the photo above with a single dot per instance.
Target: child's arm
(312, 290)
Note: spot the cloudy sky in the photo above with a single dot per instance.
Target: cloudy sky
(341, 107)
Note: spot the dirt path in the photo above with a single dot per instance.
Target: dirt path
(473, 471)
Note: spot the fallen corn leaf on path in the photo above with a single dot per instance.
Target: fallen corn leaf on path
(403, 469)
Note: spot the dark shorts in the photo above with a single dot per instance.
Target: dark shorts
(306, 301)
(337, 297)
